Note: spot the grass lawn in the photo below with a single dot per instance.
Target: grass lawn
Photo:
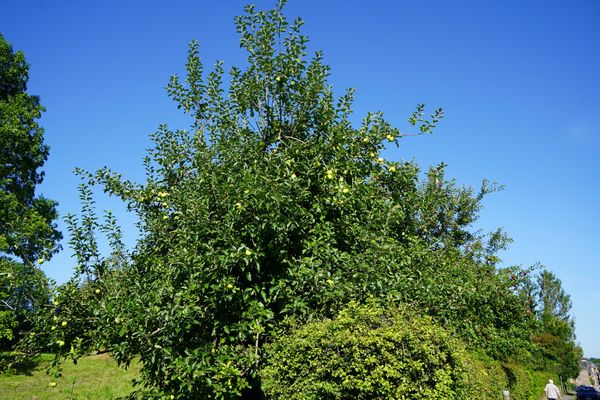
(94, 378)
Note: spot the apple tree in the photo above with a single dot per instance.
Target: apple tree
(272, 210)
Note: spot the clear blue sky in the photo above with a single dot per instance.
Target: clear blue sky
(518, 80)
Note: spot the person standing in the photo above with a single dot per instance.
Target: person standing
(552, 391)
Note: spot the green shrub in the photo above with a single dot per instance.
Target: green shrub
(539, 379)
(486, 378)
(519, 382)
(367, 352)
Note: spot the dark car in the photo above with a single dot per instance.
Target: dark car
(587, 393)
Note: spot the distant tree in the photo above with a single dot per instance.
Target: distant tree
(553, 300)
(28, 233)
(556, 334)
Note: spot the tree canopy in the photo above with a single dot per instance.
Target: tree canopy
(272, 211)
(28, 233)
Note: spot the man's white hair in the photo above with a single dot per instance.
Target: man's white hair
(550, 381)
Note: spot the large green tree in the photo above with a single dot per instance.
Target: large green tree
(276, 209)
(28, 233)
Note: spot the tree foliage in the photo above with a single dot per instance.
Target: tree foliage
(553, 301)
(555, 336)
(28, 233)
(272, 211)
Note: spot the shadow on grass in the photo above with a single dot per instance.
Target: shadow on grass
(24, 366)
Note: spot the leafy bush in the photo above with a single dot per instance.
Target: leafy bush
(519, 382)
(486, 377)
(367, 352)
(539, 379)
(490, 377)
